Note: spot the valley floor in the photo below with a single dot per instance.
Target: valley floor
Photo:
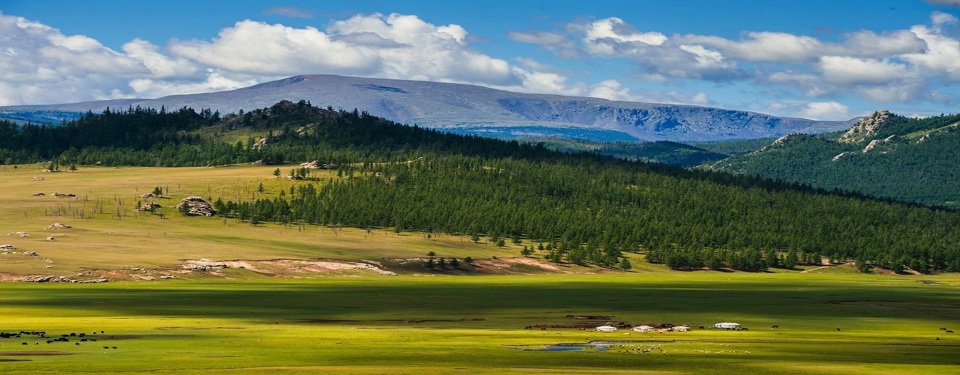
(201, 295)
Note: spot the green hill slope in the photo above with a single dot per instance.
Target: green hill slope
(884, 155)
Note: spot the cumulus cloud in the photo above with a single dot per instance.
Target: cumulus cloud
(825, 111)
(39, 64)
(884, 66)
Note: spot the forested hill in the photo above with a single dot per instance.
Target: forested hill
(884, 155)
(582, 208)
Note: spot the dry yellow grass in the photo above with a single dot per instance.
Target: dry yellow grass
(108, 233)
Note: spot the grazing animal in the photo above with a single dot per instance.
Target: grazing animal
(114, 347)
(943, 329)
(49, 341)
(838, 329)
(938, 339)
(701, 327)
(73, 334)
(23, 343)
(949, 331)
(76, 343)
(106, 347)
(775, 327)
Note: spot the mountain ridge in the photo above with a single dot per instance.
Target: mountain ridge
(477, 109)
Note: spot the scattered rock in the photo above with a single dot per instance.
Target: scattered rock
(166, 277)
(61, 279)
(149, 206)
(38, 194)
(38, 178)
(51, 238)
(30, 253)
(196, 206)
(65, 195)
(57, 226)
(147, 196)
(39, 279)
(203, 265)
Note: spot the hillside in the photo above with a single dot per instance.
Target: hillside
(583, 208)
(883, 155)
(478, 110)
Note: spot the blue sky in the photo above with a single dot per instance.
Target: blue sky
(812, 58)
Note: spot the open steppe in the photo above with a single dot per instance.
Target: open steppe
(278, 315)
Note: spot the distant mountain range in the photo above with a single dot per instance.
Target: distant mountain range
(474, 110)
(883, 155)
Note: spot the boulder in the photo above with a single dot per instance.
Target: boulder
(311, 165)
(57, 226)
(196, 206)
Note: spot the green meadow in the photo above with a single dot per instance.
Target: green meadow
(832, 320)
(468, 324)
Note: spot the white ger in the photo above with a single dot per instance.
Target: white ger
(607, 328)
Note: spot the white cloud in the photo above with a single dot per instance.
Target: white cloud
(826, 111)
(851, 70)
(763, 46)
(610, 36)
(941, 18)
(611, 90)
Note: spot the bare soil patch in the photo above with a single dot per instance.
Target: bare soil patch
(514, 266)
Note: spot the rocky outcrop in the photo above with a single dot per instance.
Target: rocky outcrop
(866, 127)
(196, 206)
(877, 142)
(842, 155)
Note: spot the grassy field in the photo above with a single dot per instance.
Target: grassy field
(831, 321)
(445, 324)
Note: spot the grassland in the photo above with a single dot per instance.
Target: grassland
(419, 321)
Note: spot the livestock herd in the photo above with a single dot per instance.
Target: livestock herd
(38, 336)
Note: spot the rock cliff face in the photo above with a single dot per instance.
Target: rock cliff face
(865, 128)
(481, 110)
